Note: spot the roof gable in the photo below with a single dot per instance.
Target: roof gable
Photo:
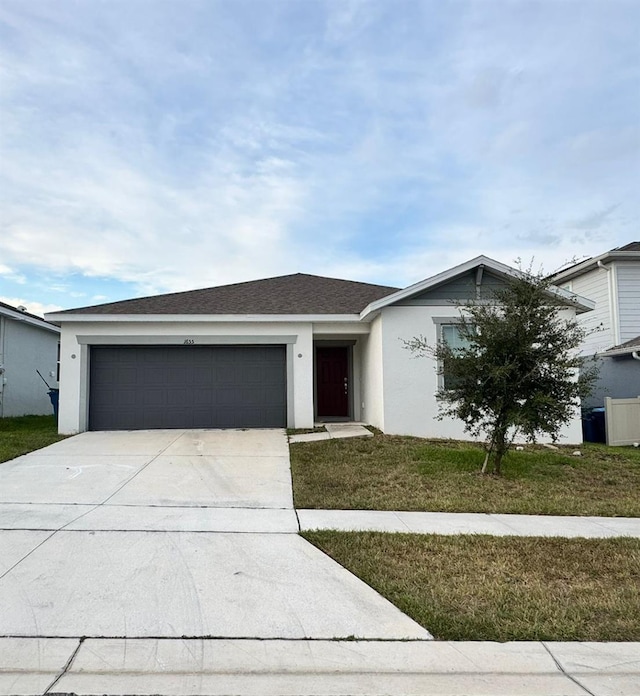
(295, 294)
(456, 281)
(467, 286)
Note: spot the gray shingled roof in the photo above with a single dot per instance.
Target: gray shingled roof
(632, 246)
(629, 346)
(291, 294)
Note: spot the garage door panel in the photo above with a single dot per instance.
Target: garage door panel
(124, 398)
(134, 387)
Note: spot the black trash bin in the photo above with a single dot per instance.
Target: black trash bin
(593, 425)
(54, 395)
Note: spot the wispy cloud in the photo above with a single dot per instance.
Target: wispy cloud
(196, 143)
(9, 274)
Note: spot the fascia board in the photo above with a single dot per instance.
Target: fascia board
(19, 316)
(582, 304)
(590, 264)
(203, 318)
(616, 352)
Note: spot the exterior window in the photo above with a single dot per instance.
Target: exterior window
(450, 334)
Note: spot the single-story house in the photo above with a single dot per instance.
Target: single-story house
(27, 343)
(286, 351)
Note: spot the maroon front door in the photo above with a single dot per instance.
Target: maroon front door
(332, 381)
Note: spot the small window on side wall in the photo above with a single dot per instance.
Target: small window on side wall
(452, 336)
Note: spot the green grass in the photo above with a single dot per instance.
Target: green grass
(25, 434)
(500, 588)
(388, 472)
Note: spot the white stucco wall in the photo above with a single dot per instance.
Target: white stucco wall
(372, 394)
(77, 336)
(25, 348)
(410, 383)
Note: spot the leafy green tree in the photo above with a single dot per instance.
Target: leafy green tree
(516, 371)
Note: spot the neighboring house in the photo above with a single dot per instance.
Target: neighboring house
(612, 280)
(27, 343)
(286, 351)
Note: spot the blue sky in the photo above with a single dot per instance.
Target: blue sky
(154, 146)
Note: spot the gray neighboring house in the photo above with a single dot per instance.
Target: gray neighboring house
(619, 375)
(612, 280)
(27, 343)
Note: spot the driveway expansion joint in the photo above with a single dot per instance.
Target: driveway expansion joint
(562, 669)
(65, 669)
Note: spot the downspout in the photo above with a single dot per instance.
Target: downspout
(613, 301)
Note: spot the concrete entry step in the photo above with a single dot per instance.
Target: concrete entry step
(334, 431)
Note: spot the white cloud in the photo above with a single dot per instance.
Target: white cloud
(224, 142)
(7, 273)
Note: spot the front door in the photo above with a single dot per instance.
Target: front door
(332, 381)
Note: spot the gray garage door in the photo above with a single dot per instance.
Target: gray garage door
(140, 387)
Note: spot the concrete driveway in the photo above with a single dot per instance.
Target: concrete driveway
(165, 534)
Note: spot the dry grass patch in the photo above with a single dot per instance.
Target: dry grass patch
(500, 588)
(27, 433)
(389, 472)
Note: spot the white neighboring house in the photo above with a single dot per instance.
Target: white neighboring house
(286, 351)
(27, 343)
(612, 280)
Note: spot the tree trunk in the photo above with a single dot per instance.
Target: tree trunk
(487, 456)
(501, 450)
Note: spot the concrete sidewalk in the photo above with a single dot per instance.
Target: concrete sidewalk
(469, 523)
(204, 667)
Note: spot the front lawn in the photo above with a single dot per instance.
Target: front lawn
(500, 588)
(388, 472)
(25, 434)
